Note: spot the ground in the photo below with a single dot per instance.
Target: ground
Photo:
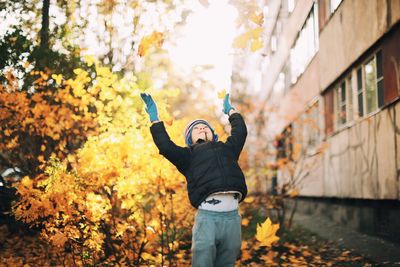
(298, 246)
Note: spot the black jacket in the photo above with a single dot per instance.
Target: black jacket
(209, 166)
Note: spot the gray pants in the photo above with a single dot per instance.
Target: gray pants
(216, 238)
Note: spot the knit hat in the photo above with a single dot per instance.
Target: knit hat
(189, 128)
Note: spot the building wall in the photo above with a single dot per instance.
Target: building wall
(361, 159)
(354, 27)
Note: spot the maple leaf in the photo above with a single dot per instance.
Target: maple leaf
(222, 94)
(154, 39)
(266, 233)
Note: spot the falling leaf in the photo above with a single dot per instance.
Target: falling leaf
(257, 19)
(266, 233)
(241, 40)
(255, 33)
(169, 122)
(221, 94)
(252, 35)
(155, 39)
(256, 44)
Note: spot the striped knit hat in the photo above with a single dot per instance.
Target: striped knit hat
(188, 131)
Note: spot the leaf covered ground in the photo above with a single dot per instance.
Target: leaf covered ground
(296, 247)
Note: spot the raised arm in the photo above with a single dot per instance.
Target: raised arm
(179, 156)
(238, 128)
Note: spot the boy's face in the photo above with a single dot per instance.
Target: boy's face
(201, 131)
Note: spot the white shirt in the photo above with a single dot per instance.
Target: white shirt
(221, 201)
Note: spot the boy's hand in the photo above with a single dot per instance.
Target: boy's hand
(151, 107)
(227, 105)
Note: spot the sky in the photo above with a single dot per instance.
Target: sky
(207, 40)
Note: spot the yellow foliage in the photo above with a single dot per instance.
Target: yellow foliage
(253, 36)
(249, 14)
(120, 187)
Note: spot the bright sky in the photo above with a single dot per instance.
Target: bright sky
(207, 40)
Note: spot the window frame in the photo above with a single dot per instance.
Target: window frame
(364, 108)
(343, 103)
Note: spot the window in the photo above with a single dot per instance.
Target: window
(306, 45)
(311, 125)
(370, 85)
(341, 107)
(350, 110)
(285, 143)
(343, 97)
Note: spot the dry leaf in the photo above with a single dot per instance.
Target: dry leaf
(221, 94)
(266, 233)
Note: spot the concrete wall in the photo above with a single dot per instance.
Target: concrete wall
(361, 160)
(355, 26)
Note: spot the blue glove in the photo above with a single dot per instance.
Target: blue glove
(227, 105)
(151, 107)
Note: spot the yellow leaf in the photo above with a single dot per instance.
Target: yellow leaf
(169, 122)
(241, 40)
(256, 44)
(155, 39)
(89, 60)
(245, 222)
(255, 33)
(266, 233)
(222, 94)
(294, 193)
(249, 199)
(257, 19)
(57, 78)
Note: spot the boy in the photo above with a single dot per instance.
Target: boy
(215, 182)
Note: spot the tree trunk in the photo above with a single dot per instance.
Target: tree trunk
(44, 32)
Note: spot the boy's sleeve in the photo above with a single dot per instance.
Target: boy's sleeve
(238, 133)
(179, 156)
